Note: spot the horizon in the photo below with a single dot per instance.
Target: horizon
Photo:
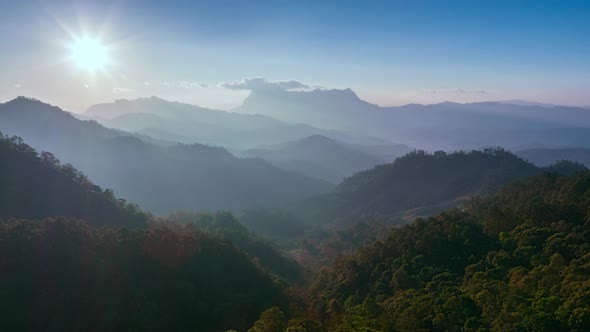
(514, 102)
(76, 54)
(295, 165)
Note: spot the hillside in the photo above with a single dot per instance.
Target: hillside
(185, 123)
(35, 186)
(159, 178)
(518, 260)
(442, 126)
(66, 274)
(417, 180)
(548, 156)
(224, 226)
(324, 158)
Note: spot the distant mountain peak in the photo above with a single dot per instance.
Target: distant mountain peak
(23, 100)
(317, 138)
(521, 102)
(22, 104)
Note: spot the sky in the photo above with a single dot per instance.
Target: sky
(388, 52)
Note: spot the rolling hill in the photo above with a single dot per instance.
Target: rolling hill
(548, 156)
(462, 270)
(443, 126)
(185, 123)
(416, 181)
(34, 186)
(159, 178)
(324, 158)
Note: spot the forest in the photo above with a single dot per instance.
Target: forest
(294, 166)
(513, 256)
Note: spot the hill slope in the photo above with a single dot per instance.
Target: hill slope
(189, 124)
(36, 186)
(548, 156)
(417, 180)
(321, 157)
(158, 178)
(69, 276)
(443, 126)
(518, 260)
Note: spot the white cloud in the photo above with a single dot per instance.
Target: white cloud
(121, 90)
(259, 83)
(18, 85)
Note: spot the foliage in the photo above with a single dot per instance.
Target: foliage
(417, 180)
(517, 260)
(34, 186)
(566, 167)
(64, 275)
(223, 225)
(271, 320)
(276, 225)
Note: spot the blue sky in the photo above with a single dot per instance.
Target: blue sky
(389, 52)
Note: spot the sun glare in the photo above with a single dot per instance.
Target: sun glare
(89, 54)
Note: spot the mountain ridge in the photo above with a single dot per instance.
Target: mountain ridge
(158, 178)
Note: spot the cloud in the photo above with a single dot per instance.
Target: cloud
(121, 90)
(18, 85)
(259, 83)
(455, 90)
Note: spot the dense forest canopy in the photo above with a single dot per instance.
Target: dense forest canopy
(399, 166)
(515, 257)
(70, 276)
(36, 185)
(518, 260)
(417, 180)
(224, 225)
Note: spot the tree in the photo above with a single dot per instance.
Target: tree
(271, 320)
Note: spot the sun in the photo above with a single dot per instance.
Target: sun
(89, 54)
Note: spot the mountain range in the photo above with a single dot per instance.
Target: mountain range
(270, 117)
(324, 158)
(185, 123)
(547, 156)
(418, 184)
(37, 186)
(444, 126)
(158, 178)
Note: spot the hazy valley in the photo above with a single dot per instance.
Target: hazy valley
(294, 166)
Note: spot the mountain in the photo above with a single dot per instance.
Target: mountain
(515, 261)
(521, 102)
(420, 182)
(548, 156)
(159, 178)
(34, 186)
(324, 158)
(332, 109)
(445, 126)
(64, 275)
(185, 123)
(223, 225)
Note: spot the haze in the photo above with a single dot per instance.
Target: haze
(294, 166)
(390, 53)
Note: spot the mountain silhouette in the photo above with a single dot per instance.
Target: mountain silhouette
(437, 126)
(185, 123)
(417, 183)
(322, 157)
(160, 178)
(37, 186)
